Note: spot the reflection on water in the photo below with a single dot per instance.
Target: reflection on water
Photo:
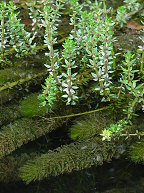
(116, 177)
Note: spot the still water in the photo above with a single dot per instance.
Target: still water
(119, 176)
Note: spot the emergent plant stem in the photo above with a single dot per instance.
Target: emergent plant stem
(3, 37)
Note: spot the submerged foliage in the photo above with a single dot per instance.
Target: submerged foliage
(136, 152)
(87, 71)
(67, 159)
(31, 106)
(91, 125)
(22, 131)
(9, 166)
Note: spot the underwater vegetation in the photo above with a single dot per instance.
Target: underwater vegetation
(137, 152)
(72, 84)
(31, 106)
(91, 125)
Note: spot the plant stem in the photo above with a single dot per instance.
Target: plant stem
(3, 37)
(142, 63)
(77, 114)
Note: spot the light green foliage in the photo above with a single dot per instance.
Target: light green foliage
(50, 21)
(114, 130)
(34, 13)
(76, 9)
(99, 47)
(12, 33)
(31, 106)
(92, 38)
(48, 95)
(69, 89)
(125, 12)
(124, 129)
(91, 125)
(90, 46)
(136, 152)
(67, 159)
(130, 85)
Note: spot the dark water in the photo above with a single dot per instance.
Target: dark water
(119, 176)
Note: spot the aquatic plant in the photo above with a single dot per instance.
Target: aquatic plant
(85, 68)
(84, 42)
(136, 152)
(91, 125)
(67, 159)
(9, 166)
(22, 131)
(126, 11)
(31, 106)
(12, 33)
(90, 46)
(15, 89)
(114, 130)
(133, 87)
(9, 113)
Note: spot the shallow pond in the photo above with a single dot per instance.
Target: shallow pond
(120, 176)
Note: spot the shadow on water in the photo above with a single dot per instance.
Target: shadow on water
(119, 176)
